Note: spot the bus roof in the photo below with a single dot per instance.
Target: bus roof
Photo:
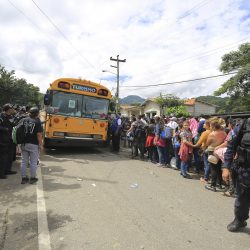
(81, 86)
(79, 81)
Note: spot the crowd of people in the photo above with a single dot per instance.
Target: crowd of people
(193, 144)
(220, 147)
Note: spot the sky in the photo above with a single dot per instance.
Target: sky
(163, 41)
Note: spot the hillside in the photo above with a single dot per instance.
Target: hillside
(132, 99)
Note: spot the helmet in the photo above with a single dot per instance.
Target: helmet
(34, 111)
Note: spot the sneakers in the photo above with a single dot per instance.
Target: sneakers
(210, 187)
(33, 180)
(236, 225)
(159, 165)
(220, 188)
(25, 180)
(187, 176)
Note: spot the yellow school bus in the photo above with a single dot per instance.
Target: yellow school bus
(76, 113)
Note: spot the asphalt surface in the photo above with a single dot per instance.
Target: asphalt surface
(99, 200)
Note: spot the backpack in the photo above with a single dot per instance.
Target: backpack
(140, 132)
(114, 125)
(243, 142)
(167, 133)
(18, 133)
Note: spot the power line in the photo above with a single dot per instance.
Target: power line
(207, 53)
(63, 35)
(196, 7)
(184, 81)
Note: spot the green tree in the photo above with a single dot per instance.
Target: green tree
(168, 100)
(238, 86)
(17, 91)
(178, 111)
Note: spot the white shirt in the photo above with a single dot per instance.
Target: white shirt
(172, 124)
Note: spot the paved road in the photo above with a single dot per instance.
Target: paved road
(92, 203)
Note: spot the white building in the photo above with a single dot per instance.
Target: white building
(196, 108)
(151, 108)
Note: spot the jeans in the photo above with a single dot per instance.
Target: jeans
(216, 174)
(30, 154)
(151, 154)
(162, 152)
(206, 167)
(177, 157)
(197, 160)
(169, 150)
(184, 168)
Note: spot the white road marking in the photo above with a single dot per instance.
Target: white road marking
(43, 230)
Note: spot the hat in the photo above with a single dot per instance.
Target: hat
(34, 111)
(7, 106)
(212, 159)
(173, 119)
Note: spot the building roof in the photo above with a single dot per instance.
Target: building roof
(192, 101)
(130, 107)
(150, 99)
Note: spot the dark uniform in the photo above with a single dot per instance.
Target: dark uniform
(115, 128)
(6, 146)
(241, 178)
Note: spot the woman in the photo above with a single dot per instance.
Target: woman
(177, 145)
(215, 138)
(160, 142)
(185, 150)
(150, 141)
(202, 143)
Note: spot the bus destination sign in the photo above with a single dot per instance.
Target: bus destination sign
(84, 88)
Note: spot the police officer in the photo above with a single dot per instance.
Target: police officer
(6, 143)
(115, 128)
(240, 174)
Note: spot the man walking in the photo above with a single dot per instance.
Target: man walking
(32, 143)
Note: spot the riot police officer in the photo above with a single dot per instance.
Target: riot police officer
(6, 143)
(237, 158)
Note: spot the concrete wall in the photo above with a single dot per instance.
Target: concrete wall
(151, 108)
(200, 108)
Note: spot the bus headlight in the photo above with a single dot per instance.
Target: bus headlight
(61, 134)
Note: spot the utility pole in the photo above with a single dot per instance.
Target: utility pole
(117, 75)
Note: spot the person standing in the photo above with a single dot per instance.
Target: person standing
(6, 143)
(186, 150)
(32, 144)
(116, 132)
(237, 158)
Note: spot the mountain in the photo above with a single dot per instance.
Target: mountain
(132, 99)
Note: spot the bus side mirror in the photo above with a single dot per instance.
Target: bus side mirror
(47, 99)
(112, 106)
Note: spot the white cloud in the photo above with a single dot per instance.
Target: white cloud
(162, 41)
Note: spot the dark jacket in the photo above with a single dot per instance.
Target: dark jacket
(6, 126)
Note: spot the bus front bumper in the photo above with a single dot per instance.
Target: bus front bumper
(73, 142)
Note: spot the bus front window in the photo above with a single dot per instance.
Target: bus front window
(67, 103)
(95, 108)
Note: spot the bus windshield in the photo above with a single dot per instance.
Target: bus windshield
(75, 105)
